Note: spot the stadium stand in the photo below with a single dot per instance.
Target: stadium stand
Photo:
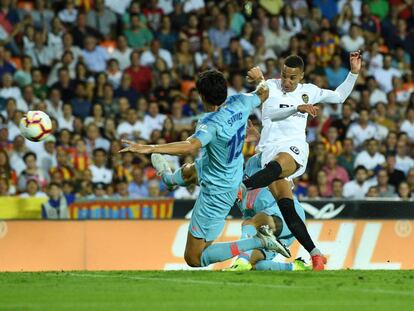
(107, 70)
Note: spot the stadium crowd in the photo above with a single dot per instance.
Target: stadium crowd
(113, 69)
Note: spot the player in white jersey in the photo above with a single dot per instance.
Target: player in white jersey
(283, 140)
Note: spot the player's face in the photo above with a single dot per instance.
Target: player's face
(290, 78)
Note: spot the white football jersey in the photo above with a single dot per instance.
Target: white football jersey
(293, 127)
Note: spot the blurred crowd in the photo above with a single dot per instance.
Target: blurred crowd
(111, 69)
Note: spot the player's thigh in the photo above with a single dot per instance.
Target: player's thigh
(281, 189)
(189, 173)
(288, 164)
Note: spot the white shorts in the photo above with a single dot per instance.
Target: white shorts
(299, 150)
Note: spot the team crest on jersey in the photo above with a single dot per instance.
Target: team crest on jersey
(305, 98)
(294, 149)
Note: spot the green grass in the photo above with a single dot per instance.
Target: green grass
(206, 290)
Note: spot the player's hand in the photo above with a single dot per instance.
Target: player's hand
(252, 134)
(356, 61)
(310, 109)
(136, 148)
(254, 75)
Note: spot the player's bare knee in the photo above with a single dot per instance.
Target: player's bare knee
(189, 173)
(192, 261)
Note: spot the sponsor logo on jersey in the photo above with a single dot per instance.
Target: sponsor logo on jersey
(294, 149)
(305, 98)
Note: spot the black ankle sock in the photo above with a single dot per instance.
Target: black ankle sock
(295, 223)
(264, 177)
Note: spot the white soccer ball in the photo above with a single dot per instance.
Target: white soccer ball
(35, 125)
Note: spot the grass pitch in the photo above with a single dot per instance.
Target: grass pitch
(207, 290)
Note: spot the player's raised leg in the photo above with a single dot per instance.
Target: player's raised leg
(282, 190)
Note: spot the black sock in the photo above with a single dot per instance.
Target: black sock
(264, 177)
(295, 223)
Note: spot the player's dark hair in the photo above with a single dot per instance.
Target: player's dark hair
(294, 61)
(212, 86)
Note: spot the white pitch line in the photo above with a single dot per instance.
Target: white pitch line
(243, 284)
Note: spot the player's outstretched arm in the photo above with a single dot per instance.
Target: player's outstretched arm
(345, 88)
(280, 113)
(190, 146)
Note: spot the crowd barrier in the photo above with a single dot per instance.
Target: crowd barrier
(167, 208)
(159, 244)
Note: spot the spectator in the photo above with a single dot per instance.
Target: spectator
(325, 46)
(220, 34)
(65, 84)
(100, 173)
(95, 57)
(57, 207)
(17, 155)
(121, 191)
(138, 36)
(149, 56)
(81, 107)
(32, 190)
(324, 189)
(385, 190)
(395, 175)
(276, 38)
(362, 130)
(94, 139)
(192, 33)
(138, 188)
(337, 189)
(122, 52)
(410, 179)
(331, 142)
(166, 35)
(23, 76)
(385, 74)
(5, 66)
(32, 171)
(153, 120)
(7, 172)
(357, 188)
(354, 41)
(133, 128)
(187, 193)
(313, 192)
(336, 74)
(69, 13)
(403, 161)
(47, 159)
(154, 190)
(4, 187)
(404, 191)
(101, 19)
(236, 85)
(370, 158)
(334, 171)
(372, 192)
(114, 73)
(99, 191)
(408, 124)
(62, 166)
(141, 76)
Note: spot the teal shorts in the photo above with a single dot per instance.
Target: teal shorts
(209, 214)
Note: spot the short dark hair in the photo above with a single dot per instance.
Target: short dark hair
(28, 154)
(294, 61)
(97, 150)
(360, 167)
(212, 86)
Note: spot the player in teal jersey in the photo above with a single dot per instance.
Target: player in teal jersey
(220, 134)
(258, 208)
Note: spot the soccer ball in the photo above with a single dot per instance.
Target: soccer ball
(35, 125)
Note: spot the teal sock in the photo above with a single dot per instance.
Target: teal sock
(173, 179)
(223, 251)
(273, 265)
(248, 231)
